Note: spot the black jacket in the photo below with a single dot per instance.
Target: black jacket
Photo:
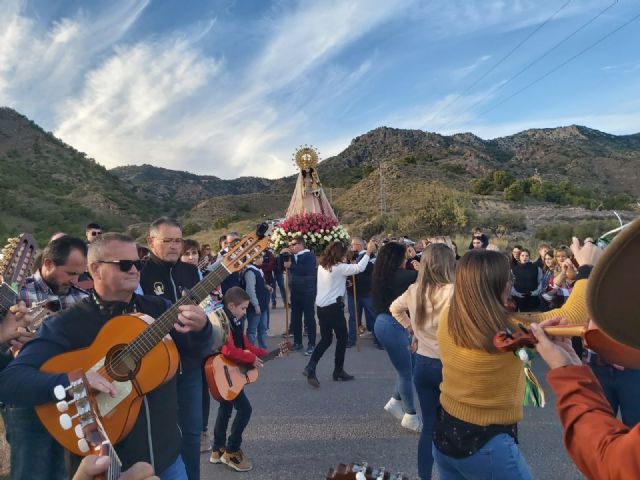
(23, 384)
(169, 280)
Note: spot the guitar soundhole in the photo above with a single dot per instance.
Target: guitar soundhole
(120, 364)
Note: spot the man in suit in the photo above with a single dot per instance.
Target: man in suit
(302, 285)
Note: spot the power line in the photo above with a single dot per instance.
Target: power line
(511, 52)
(555, 69)
(529, 65)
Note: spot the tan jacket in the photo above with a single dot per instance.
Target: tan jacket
(407, 302)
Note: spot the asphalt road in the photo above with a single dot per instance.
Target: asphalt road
(297, 432)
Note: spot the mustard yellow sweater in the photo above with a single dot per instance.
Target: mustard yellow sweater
(488, 388)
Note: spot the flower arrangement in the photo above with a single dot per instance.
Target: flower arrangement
(318, 231)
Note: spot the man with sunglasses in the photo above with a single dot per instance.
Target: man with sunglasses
(166, 276)
(113, 263)
(93, 232)
(63, 260)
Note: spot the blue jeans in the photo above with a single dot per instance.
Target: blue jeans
(365, 304)
(427, 377)
(395, 340)
(303, 303)
(190, 416)
(35, 455)
(622, 389)
(498, 459)
(176, 471)
(243, 415)
(257, 322)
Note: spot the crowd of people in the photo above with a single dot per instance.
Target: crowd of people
(433, 310)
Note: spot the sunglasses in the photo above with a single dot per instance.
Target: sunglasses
(125, 265)
(94, 233)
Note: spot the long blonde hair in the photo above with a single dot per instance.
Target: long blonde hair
(436, 269)
(477, 312)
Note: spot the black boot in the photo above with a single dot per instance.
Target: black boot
(341, 375)
(310, 372)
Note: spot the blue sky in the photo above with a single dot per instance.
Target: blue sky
(232, 87)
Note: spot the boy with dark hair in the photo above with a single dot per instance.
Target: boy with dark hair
(238, 349)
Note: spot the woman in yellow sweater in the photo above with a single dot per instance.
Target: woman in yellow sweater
(418, 310)
(482, 390)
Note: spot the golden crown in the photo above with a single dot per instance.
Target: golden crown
(306, 157)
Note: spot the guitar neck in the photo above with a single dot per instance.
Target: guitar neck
(152, 335)
(7, 298)
(271, 355)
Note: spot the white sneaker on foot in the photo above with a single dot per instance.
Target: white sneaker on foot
(394, 407)
(412, 422)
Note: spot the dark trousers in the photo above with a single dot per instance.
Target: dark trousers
(190, 417)
(365, 305)
(303, 303)
(35, 455)
(331, 319)
(206, 402)
(243, 415)
(622, 389)
(278, 279)
(427, 377)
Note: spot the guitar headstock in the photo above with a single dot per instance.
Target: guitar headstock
(284, 347)
(92, 437)
(17, 257)
(356, 471)
(508, 341)
(246, 249)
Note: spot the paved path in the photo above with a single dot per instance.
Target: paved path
(297, 432)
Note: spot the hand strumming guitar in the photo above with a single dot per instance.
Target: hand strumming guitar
(101, 384)
(258, 363)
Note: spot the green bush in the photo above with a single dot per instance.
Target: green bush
(191, 228)
(561, 233)
(502, 223)
(514, 192)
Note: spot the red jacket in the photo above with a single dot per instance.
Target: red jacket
(601, 446)
(240, 356)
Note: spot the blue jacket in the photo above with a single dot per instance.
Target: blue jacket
(303, 273)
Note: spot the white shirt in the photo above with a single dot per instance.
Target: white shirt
(331, 284)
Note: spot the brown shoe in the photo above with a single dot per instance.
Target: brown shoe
(236, 461)
(216, 456)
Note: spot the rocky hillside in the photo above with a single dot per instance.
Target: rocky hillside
(48, 186)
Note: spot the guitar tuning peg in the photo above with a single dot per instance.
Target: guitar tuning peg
(65, 422)
(60, 392)
(83, 446)
(79, 431)
(62, 406)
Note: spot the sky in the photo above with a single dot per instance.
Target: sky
(233, 87)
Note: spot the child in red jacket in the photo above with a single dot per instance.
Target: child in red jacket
(238, 349)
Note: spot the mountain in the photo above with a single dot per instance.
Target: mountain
(47, 186)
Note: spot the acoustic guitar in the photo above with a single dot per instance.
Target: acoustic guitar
(226, 379)
(136, 353)
(356, 471)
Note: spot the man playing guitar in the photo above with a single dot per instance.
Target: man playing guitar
(114, 267)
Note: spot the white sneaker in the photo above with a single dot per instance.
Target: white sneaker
(269, 334)
(412, 422)
(394, 407)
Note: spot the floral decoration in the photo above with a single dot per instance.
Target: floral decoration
(318, 231)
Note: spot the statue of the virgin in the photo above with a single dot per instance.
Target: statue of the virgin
(308, 196)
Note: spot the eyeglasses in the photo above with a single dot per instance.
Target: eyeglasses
(167, 241)
(95, 233)
(125, 265)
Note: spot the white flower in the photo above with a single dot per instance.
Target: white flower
(322, 230)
